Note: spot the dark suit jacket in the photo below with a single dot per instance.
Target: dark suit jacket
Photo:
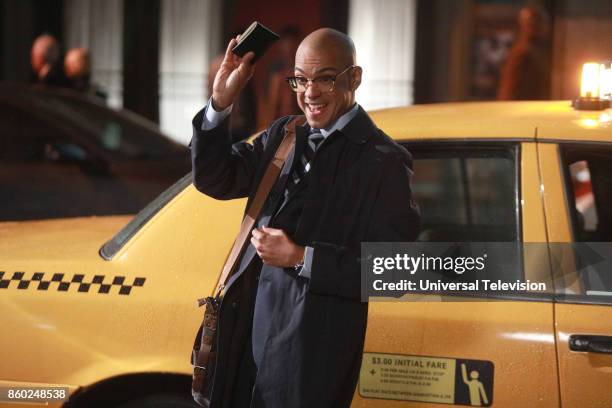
(307, 333)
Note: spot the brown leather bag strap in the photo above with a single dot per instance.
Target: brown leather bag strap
(263, 190)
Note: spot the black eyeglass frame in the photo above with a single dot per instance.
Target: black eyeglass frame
(293, 84)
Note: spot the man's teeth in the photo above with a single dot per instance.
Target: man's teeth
(317, 106)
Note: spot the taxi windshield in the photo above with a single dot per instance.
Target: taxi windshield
(113, 245)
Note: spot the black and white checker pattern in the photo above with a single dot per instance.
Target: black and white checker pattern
(61, 282)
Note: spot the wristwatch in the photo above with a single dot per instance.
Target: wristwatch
(300, 264)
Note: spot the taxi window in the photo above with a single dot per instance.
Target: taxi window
(466, 193)
(469, 192)
(587, 170)
(590, 191)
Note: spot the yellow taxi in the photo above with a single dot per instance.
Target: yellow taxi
(103, 309)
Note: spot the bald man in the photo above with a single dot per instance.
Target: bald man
(292, 323)
(77, 66)
(45, 58)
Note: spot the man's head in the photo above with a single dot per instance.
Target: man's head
(77, 64)
(325, 54)
(45, 53)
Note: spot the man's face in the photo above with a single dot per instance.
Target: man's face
(42, 50)
(323, 108)
(76, 64)
(38, 56)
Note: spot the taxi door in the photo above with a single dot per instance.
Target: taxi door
(475, 353)
(578, 204)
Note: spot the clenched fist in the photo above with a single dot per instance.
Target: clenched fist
(275, 248)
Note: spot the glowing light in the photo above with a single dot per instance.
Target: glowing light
(589, 123)
(589, 86)
(605, 81)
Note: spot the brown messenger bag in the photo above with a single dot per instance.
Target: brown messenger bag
(203, 358)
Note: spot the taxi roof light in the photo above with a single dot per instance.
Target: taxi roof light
(595, 85)
(605, 81)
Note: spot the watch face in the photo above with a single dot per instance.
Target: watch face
(299, 265)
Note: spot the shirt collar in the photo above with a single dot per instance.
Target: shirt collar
(341, 122)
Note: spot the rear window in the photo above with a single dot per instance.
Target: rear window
(466, 193)
(469, 193)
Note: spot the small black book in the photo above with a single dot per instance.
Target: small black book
(257, 38)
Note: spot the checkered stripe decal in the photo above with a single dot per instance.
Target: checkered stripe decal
(62, 282)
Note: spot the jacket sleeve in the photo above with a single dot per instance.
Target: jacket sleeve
(221, 169)
(336, 270)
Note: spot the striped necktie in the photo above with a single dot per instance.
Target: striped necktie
(314, 139)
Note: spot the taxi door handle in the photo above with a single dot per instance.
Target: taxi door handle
(592, 344)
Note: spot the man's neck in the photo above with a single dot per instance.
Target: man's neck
(342, 120)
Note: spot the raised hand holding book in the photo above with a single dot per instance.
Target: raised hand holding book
(257, 38)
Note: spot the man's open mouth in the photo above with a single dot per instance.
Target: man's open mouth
(316, 108)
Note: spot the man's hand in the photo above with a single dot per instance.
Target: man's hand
(233, 75)
(275, 248)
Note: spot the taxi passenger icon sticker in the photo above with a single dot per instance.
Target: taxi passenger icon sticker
(426, 379)
(474, 375)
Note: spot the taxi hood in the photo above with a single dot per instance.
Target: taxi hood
(58, 239)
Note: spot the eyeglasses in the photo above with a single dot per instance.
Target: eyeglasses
(324, 83)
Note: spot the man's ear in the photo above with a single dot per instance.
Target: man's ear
(356, 78)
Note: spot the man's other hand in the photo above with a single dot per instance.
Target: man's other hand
(232, 76)
(275, 248)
